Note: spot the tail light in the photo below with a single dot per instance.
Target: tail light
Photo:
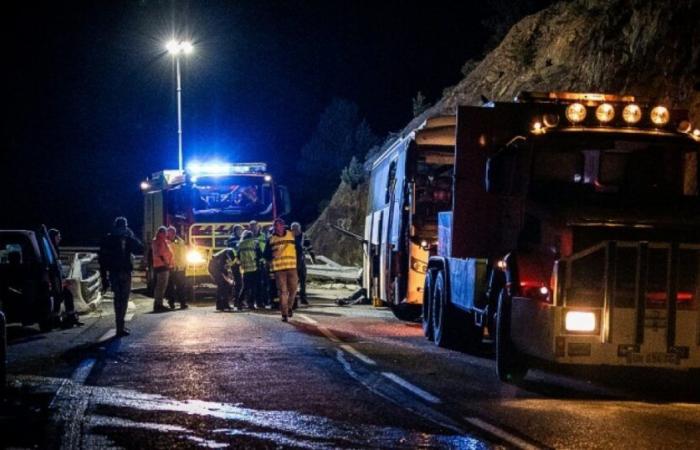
(536, 291)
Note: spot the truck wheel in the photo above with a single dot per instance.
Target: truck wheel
(427, 319)
(442, 315)
(511, 366)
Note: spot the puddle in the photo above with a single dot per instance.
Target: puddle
(267, 428)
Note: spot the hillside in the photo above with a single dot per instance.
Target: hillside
(640, 47)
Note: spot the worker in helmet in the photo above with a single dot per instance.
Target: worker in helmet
(281, 252)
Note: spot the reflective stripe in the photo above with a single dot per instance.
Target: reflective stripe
(284, 253)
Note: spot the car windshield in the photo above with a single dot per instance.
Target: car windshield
(623, 168)
(238, 198)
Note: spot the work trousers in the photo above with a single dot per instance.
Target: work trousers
(223, 292)
(301, 272)
(251, 291)
(286, 281)
(237, 287)
(177, 287)
(162, 277)
(121, 286)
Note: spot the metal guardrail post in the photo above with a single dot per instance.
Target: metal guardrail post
(3, 352)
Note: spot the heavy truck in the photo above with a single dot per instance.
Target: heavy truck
(570, 230)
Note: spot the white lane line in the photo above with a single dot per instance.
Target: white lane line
(502, 434)
(427, 396)
(307, 319)
(108, 335)
(128, 317)
(327, 333)
(358, 355)
(81, 373)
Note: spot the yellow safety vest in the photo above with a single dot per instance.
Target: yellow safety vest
(247, 254)
(284, 252)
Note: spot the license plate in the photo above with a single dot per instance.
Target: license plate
(653, 358)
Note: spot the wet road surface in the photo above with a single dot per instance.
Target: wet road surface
(333, 377)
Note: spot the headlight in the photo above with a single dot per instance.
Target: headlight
(580, 321)
(575, 113)
(605, 112)
(194, 257)
(660, 115)
(632, 114)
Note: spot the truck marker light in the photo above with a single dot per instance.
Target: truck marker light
(696, 132)
(194, 257)
(537, 128)
(685, 127)
(605, 112)
(576, 113)
(544, 290)
(660, 115)
(581, 321)
(632, 114)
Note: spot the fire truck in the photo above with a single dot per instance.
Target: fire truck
(204, 202)
(565, 224)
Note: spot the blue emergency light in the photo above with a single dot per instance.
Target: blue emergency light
(214, 169)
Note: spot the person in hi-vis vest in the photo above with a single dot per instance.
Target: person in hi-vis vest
(282, 254)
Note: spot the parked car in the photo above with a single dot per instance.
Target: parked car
(30, 278)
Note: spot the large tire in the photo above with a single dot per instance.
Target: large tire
(452, 327)
(511, 366)
(408, 312)
(426, 318)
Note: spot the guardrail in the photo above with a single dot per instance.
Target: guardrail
(83, 276)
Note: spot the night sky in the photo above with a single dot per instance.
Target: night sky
(90, 104)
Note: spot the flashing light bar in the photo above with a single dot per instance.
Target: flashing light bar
(222, 169)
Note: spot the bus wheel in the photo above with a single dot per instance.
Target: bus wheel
(511, 366)
(407, 312)
(427, 319)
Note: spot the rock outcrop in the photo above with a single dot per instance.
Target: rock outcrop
(639, 47)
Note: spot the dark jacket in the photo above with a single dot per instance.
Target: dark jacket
(117, 249)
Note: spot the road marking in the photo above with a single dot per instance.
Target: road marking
(358, 355)
(427, 396)
(326, 332)
(109, 334)
(128, 317)
(82, 372)
(307, 319)
(500, 433)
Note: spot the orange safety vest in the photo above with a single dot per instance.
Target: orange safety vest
(284, 252)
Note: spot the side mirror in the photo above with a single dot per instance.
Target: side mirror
(286, 206)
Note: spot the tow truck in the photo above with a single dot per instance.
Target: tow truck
(565, 224)
(204, 202)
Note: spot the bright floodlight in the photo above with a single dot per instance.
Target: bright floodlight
(187, 47)
(173, 47)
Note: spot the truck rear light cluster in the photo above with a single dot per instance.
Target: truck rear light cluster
(535, 291)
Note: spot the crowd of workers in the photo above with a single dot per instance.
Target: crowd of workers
(256, 267)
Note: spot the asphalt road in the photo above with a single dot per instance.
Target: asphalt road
(333, 377)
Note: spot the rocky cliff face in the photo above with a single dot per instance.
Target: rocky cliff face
(639, 47)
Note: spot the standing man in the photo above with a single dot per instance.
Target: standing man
(162, 263)
(70, 317)
(263, 275)
(282, 254)
(232, 243)
(303, 246)
(249, 255)
(220, 271)
(178, 286)
(116, 263)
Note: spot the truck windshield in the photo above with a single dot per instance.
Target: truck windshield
(235, 198)
(613, 167)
